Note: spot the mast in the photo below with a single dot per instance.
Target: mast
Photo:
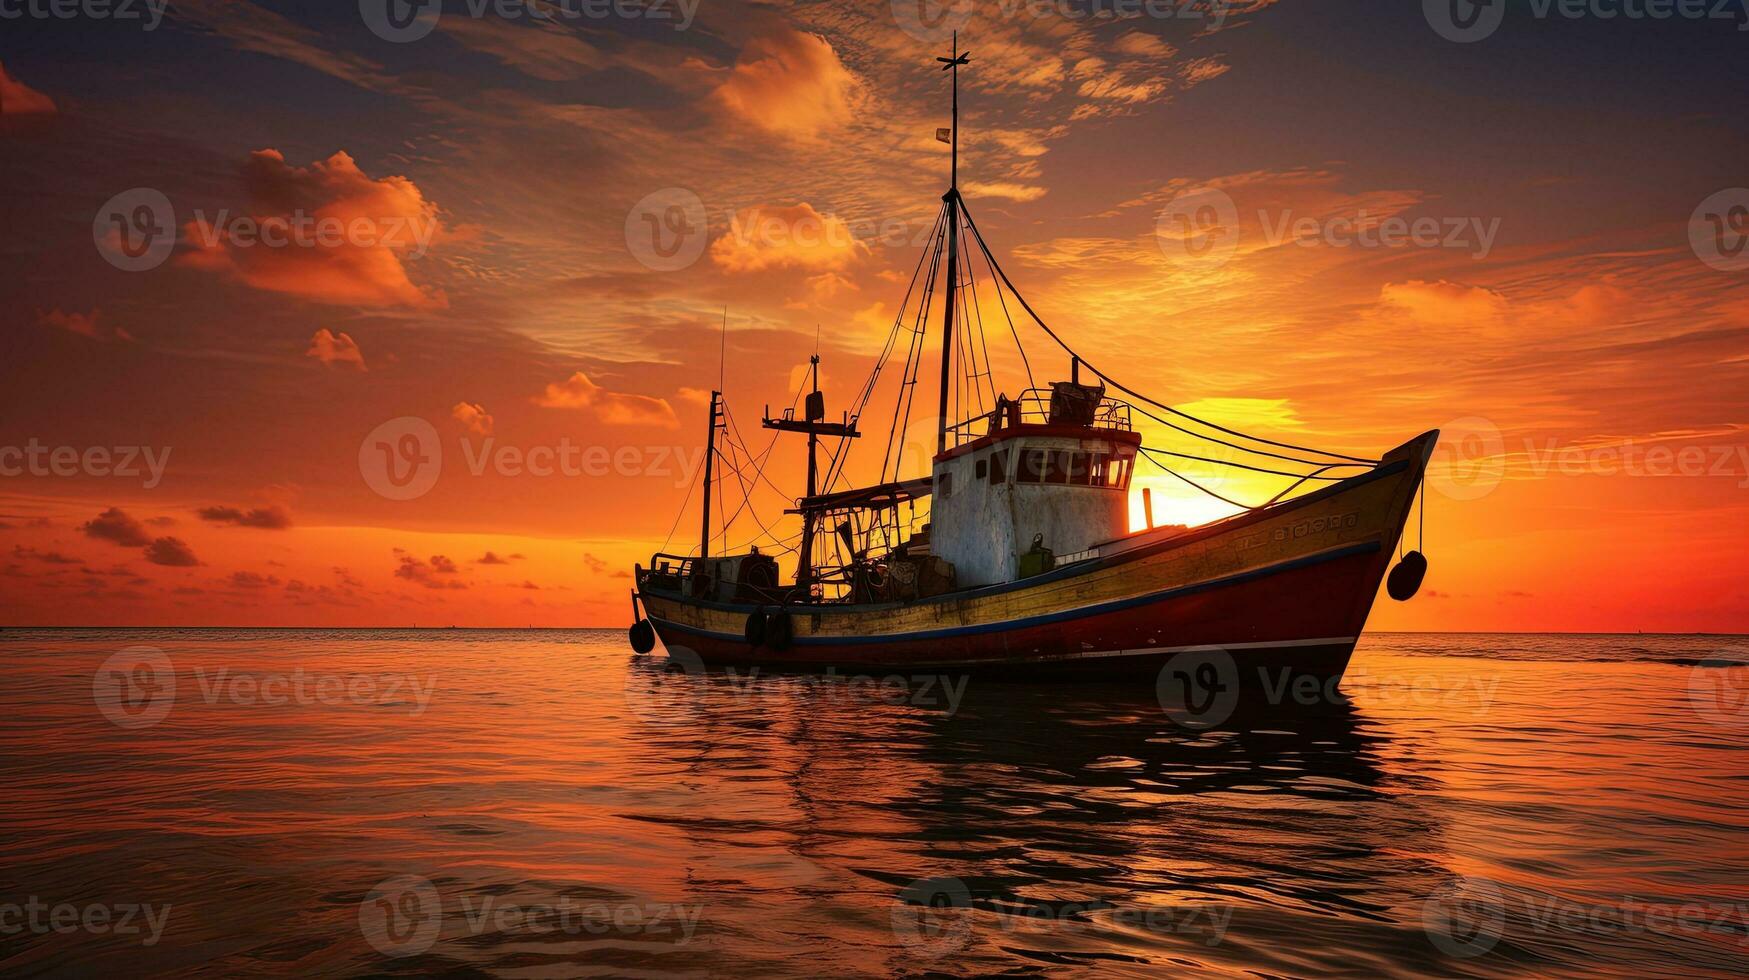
(710, 451)
(952, 197)
(805, 568)
(813, 422)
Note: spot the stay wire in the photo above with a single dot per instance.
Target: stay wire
(1131, 391)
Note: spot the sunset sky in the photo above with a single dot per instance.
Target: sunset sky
(500, 175)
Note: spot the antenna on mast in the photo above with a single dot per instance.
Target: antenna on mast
(952, 197)
(953, 64)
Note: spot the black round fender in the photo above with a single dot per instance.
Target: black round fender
(642, 636)
(755, 631)
(779, 630)
(1405, 580)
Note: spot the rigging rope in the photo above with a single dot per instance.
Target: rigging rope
(1126, 389)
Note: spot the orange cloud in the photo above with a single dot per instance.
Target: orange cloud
(115, 525)
(328, 233)
(19, 99)
(173, 552)
(797, 236)
(83, 324)
(611, 407)
(331, 348)
(473, 417)
(791, 83)
(1011, 190)
(253, 580)
(414, 570)
(1444, 303)
(272, 518)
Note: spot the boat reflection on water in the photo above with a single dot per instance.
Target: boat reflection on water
(550, 807)
(1076, 823)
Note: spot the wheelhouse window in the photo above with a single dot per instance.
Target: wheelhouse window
(1120, 472)
(1057, 469)
(1079, 472)
(999, 466)
(944, 485)
(1067, 467)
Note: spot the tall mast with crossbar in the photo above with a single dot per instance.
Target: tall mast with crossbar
(952, 197)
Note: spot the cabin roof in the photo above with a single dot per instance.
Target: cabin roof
(879, 495)
(1058, 430)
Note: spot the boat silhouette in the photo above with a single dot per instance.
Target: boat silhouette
(1024, 563)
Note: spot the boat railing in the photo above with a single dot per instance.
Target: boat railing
(1041, 406)
(681, 574)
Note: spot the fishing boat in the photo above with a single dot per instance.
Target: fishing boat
(1014, 553)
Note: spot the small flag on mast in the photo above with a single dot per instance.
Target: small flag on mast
(944, 135)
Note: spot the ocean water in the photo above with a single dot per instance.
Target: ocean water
(546, 803)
